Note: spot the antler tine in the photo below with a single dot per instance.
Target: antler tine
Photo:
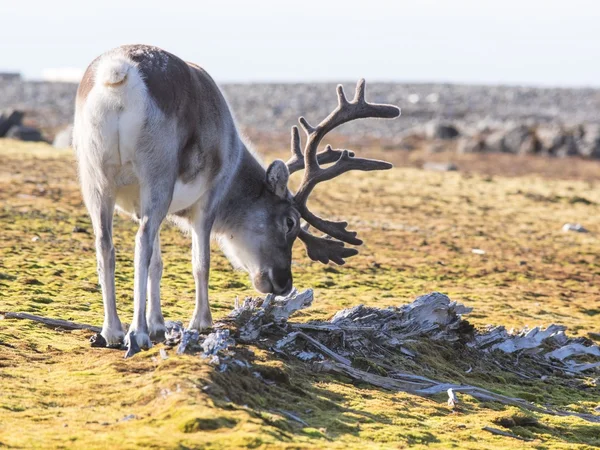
(334, 229)
(324, 250)
(296, 162)
(359, 94)
(327, 156)
(341, 96)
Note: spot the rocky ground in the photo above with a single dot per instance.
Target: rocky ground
(474, 111)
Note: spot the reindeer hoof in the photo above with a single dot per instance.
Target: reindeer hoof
(157, 333)
(113, 336)
(136, 342)
(201, 326)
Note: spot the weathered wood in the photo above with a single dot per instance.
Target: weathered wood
(387, 383)
(322, 348)
(55, 323)
(427, 389)
(327, 327)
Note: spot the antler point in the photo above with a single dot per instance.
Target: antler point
(359, 97)
(307, 127)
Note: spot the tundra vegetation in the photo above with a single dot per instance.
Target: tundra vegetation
(420, 229)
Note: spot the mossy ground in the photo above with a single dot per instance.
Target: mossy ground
(419, 230)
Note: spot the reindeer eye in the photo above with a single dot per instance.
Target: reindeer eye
(291, 223)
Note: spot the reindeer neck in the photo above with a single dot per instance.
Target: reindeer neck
(246, 185)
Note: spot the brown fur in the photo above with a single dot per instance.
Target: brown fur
(87, 82)
(201, 104)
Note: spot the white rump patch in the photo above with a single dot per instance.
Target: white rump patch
(112, 71)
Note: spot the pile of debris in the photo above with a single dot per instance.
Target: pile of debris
(394, 348)
(370, 345)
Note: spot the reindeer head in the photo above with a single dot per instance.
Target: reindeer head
(264, 246)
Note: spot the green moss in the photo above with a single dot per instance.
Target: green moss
(369, 366)
(207, 424)
(419, 229)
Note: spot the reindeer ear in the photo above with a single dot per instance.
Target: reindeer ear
(277, 178)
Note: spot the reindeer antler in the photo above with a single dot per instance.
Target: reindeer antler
(323, 248)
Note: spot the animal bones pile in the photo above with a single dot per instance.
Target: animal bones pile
(370, 344)
(382, 335)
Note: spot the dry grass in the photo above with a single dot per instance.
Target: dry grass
(419, 228)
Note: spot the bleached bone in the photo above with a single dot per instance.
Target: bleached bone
(216, 342)
(532, 338)
(434, 307)
(322, 348)
(253, 315)
(452, 400)
(571, 350)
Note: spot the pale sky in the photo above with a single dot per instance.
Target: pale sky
(533, 42)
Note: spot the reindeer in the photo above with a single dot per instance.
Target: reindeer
(154, 137)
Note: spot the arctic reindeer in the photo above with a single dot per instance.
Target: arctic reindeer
(155, 138)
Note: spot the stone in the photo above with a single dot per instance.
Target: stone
(494, 142)
(567, 146)
(473, 144)
(578, 228)
(24, 133)
(589, 143)
(442, 131)
(440, 167)
(10, 119)
(520, 140)
(548, 137)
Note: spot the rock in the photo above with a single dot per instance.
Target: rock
(560, 141)
(566, 146)
(440, 167)
(574, 227)
(548, 136)
(441, 131)
(23, 133)
(474, 144)
(63, 138)
(520, 140)
(589, 143)
(452, 111)
(494, 142)
(10, 119)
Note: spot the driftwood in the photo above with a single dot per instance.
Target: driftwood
(361, 330)
(380, 338)
(432, 387)
(54, 323)
(323, 349)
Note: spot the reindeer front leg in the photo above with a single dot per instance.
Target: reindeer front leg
(201, 318)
